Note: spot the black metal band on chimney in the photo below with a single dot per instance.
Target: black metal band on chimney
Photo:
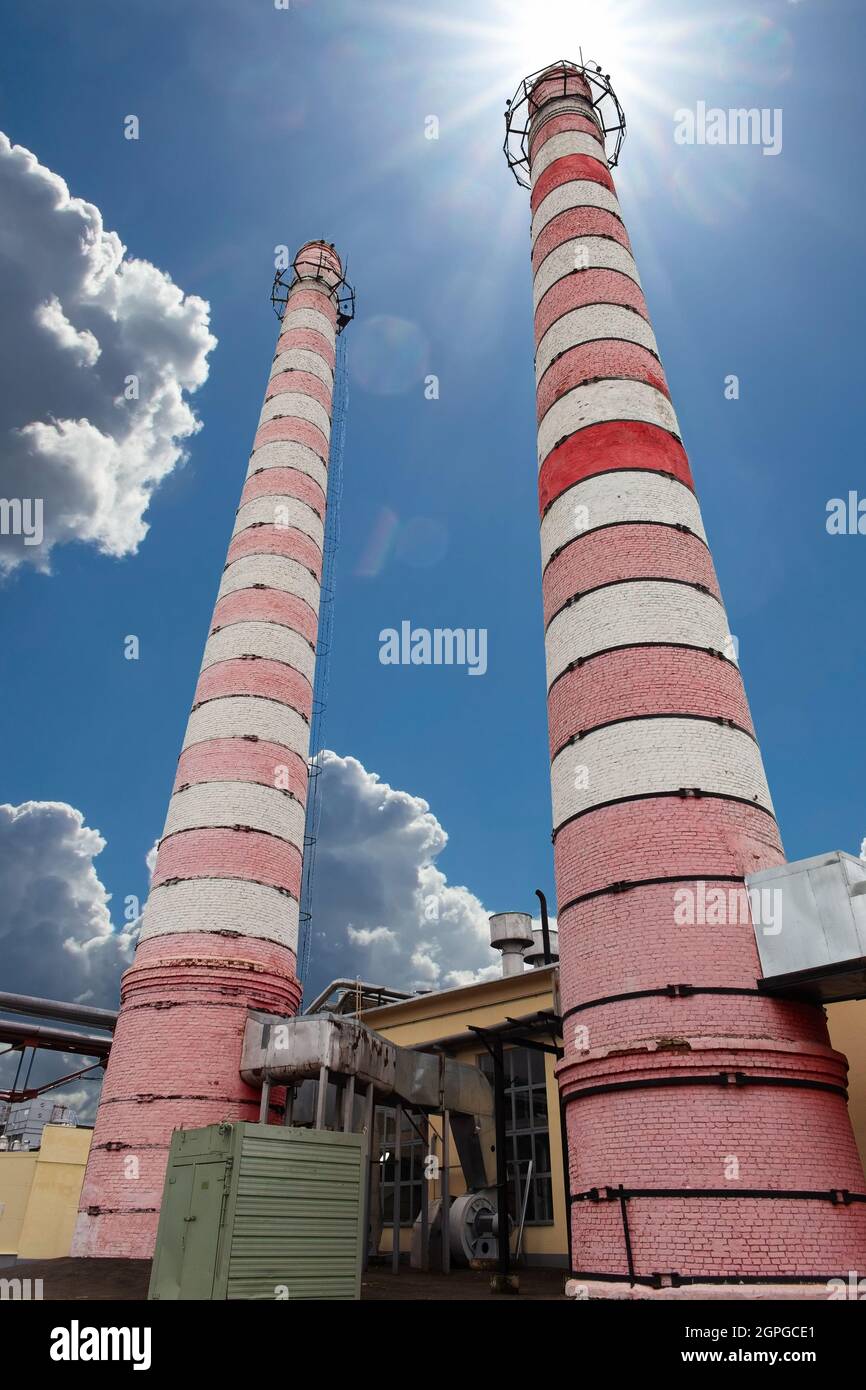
(722, 1078)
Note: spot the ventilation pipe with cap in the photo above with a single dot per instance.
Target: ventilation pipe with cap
(511, 933)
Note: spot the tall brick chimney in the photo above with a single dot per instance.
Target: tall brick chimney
(220, 928)
(708, 1133)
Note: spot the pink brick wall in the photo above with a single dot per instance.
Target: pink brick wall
(218, 935)
(650, 887)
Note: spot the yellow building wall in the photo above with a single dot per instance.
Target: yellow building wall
(40, 1192)
(16, 1180)
(847, 1024)
(430, 1018)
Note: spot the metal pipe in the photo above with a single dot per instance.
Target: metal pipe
(363, 985)
(57, 1009)
(348, 1104)
(445, 1192)
(370, 1132)
(321, 1097)
(425, 1195)
(503, 1245)
(290, 1106)
(265, 1102)
(545, 927)
(53, 1039)
(398, 1159)
(523, 1211)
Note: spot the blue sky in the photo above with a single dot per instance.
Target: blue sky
(260, 127)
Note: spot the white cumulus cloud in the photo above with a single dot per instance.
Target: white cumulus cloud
(97, 354)
(382, 908)
(56, 935)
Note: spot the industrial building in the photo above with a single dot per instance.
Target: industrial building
(652, 1104)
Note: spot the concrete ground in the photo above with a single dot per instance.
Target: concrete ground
(90, 1281)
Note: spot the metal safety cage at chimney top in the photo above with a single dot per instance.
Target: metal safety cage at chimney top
(520, 110)
(341, 291)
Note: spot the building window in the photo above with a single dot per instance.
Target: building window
(526, 1131)
(411, 1170)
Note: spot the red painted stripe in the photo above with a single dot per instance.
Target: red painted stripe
(659, 837)
(569, 120)
(565, 170)
(604, 357)
(266, 606)
(302, 383)
(558, 82)
(221, 853)
(632, 551)
(273, 540)
(593, 286)
(243, 760)
(291, 428)
(604, 448)
(321, 303)
(308, 339)
(183, 945)
(644, 680)
(270, 680)
(597, 936)
(284, 482)
(577, 222)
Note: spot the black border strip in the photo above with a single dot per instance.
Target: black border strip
(604, 472)
(679, 526)
(662, 991)
(722, 1078)
(635, 579)
(604, 269)
(838, 1196)
(683, 793)
(630, 646)
(626, 885)
(581, 734)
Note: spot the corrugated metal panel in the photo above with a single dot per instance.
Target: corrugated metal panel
(291, 1220)
(297, 1215)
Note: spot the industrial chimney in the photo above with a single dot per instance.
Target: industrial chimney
(708, 1134)
(219, 933)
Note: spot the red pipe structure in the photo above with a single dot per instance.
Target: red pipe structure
(219, 933)
(708, 1133)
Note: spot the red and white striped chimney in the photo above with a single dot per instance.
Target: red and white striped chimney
(722, 1111)
(219, 933)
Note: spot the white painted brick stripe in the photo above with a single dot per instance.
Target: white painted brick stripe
(611, 399)
(589, 324)
(298, 406)
(308, 318)
(562, 106)
(237, 716)
(303, 360)
(641, 610)
(282, 511)
(616, 497)
(566, 143)
(269, 640)
(275, 572)
(285, 453)
(209, 804)
(222, 905)
(643, 757)
(577, 193)
(599, 253)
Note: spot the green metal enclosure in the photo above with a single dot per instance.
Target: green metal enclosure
(262, 1212)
